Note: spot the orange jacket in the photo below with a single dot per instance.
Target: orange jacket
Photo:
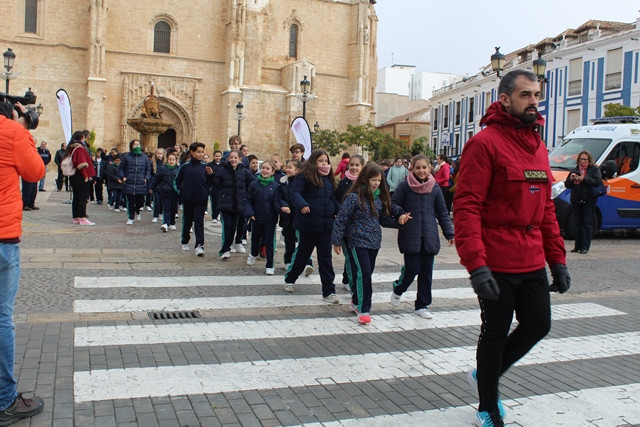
(18, 158)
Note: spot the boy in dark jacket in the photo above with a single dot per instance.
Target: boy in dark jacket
(115, 184)
(163, 186)
(192, 182)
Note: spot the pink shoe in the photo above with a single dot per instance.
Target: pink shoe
(76, 221)
(85, 221)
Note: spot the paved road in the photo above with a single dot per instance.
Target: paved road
(257, 356)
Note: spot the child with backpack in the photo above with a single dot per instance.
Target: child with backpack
(262, 207)
(313, 199)
(418, 240)
(357, 231)
(163, 186)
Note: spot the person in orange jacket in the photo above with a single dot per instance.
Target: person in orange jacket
(18, 158)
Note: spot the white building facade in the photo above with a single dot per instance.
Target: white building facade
(587, 68)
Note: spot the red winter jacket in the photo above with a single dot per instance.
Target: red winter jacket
(18, 158)
(504, 216)
(342, 168)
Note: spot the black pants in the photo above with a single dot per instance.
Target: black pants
(62, 179)
(262, 232)
(80, 190)
(582, 214)
(98, 189)
(322, 242)
(29, 193)
(157, 204)
(169, 208)
(448, 197)
(116, 198)
(421, 265)
(232, 226)
(135, 202)
(193, 213)
(359, 263)
(528, 295)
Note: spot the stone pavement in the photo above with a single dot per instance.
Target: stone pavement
(255, 356)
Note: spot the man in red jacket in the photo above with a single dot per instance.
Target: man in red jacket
(18, 158)
(505, 231)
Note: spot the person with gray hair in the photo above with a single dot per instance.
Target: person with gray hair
(506, 232)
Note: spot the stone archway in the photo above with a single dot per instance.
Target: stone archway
(181, 121)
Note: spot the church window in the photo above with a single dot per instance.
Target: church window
(293, 41)
(31, 16)
(162, 37)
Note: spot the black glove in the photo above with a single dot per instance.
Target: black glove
(484, 284)
(561, 279)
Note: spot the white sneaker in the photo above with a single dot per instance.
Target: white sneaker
(240, 248)
(225, 255)
(149, 208)
(331, 299)
(185, 247)
(138, 217)
(129, 222)
(172, 227)
(206, 213)
(214, 221)
(199, 251)
(110, 207)
(232, 248)
(244, 241)
(177, 216)
(251, 260)
(270, 271)
(288, 288)
(191, 230)
(164, 228)
(155, 219)
(308, 270)
(117, 210)
(424, 313)
(394, 299)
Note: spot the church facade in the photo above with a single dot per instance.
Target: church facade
(203, 58)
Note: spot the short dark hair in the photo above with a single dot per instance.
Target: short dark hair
(235, 138)
(194, 146)
(296, 147)
(508, 81)
(133, 142)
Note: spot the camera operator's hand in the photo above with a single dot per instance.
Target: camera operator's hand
(561, 279)
(484, 284)
(19, 119)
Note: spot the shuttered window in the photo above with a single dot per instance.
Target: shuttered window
(162, 37)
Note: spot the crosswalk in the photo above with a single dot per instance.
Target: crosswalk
(302, 351)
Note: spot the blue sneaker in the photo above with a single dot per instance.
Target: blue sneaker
(472, 379)
(489, 419)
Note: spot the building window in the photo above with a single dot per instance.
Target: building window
(458, 107)
(613, 78)
(162, 37)
(435, 119)
(487, 101)
(573, 120)
(471, 112)
(445, 119)
(31, 16)
(456, 143)
(293, 41)
(575, 77)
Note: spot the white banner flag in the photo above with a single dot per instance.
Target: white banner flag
(64, 105)
(302, 133)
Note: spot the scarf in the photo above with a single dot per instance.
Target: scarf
(324, 169)
(265, 181)
(582, 171)
(171, 167)
(376, 193)
(137, 151)
(420, 187)
(350, 176)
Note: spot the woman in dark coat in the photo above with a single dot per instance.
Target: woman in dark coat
(135, 172)
(582, 204)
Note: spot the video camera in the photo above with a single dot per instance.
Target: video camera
(31, 117)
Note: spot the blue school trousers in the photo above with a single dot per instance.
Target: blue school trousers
(263, 232)
(359, 264)
(322, 242)
(193, 213)
(421, 265)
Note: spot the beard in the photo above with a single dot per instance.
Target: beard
(527, 116)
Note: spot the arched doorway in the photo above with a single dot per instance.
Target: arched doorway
(167, 138)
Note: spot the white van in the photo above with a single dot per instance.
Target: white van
(614, 143)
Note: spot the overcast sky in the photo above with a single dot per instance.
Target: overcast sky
(458, 36)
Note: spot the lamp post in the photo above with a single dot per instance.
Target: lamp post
(497, 62)
(239, 108)
(9, 56)
(305, 95)
(539, 68)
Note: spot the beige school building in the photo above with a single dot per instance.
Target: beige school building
(203, 57)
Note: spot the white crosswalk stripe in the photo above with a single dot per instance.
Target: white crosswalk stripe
(608, 405)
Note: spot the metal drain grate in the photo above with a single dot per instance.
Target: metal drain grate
(174, 315)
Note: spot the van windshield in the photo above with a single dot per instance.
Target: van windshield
(564, 156)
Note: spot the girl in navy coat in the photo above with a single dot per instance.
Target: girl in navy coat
(231, 181)
(418, 240)
(263, 207)
(357, 230)
(163, 186)
(135, 172)
(312, 197)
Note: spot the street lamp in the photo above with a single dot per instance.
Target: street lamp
(304, 89)
(497, 62)
(239, 108)
(540, 67)
(9, 57)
